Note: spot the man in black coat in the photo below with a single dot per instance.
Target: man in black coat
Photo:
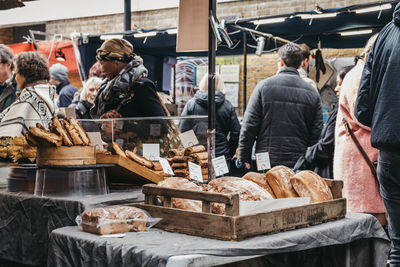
(284, 115)
(8, 84)
(378, 107)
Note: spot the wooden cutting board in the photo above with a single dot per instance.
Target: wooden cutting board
(127, 171)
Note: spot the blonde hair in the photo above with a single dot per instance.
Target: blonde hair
(368, 46)
(219, 83)
(92, 81)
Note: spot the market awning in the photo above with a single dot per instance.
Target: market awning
(333, 28)
(60, 48)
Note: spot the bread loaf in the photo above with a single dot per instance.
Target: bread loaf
(260, 179)
(59, 129)
(199, 156)
(139, 159)
(278, 179)
(75, 137)
(181, 183)
(247, 190)
(194, 149)
(310, 184)
(82, 133)
(175, 152)
(114, 219)
(157, 166)
(51, 138)
(118, 150)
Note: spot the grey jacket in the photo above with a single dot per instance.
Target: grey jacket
(284, 117)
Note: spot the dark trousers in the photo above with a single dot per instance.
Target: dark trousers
(389, 179)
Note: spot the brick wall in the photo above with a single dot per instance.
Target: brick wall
(6, 35)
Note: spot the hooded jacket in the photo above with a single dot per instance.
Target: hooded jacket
(35, 104)
(378, 98)
(284, 117)
(226, 122)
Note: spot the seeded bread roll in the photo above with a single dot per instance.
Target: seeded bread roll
(310, 184)
(278, 179)
(260, 179)
(141, 160)
(59, 129)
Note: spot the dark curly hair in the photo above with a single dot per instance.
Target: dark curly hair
(33, 66)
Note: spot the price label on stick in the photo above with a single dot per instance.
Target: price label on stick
(195, 172)
(188, 139)
(166, 167)
(151, 151)
(220, 166)
(263, 162)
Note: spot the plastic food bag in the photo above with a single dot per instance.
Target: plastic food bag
(115, 219)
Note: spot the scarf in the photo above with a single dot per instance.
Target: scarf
(118, 91)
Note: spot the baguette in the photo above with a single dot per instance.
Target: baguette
(59, 129)
(76, 139)
(194, 149)
(31, 140)
(180, 159)
(40, 126)
(51, 138)
(141, 160)
(82, 133)
(157, 166)
(118, 150)
(179, 165)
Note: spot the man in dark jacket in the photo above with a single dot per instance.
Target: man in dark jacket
(226, 123)
(65, 90)
(378, 106)
(284, 115)
(8, 85)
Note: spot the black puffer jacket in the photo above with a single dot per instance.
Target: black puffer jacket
(378, 99)
(226, 122)
(82, 112)
(284, 117)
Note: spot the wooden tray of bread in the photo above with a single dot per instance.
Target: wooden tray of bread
(197, 215)
(130, 167)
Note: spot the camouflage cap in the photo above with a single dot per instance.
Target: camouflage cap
(115, 49)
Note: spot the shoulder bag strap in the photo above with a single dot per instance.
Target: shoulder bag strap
(361, 150)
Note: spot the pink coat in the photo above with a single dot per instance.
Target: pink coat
(360, 187)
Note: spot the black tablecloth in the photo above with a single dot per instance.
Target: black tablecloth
(70, 246)
(26, 221)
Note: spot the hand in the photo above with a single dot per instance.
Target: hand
(112, 114)
(247, 166)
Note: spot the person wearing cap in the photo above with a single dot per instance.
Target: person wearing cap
(8, 85)
(126, 91)
(59, 78)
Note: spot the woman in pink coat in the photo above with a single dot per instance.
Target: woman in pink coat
(360, 187)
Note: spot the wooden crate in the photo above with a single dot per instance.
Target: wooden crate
(66, 156)
(127, 171)
(232, 226)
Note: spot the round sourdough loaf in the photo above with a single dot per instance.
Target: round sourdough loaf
(310, 184)
(260, 179)
(278, 179)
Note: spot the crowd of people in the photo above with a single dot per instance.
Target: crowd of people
(283, 117)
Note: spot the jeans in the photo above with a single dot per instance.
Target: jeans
(389, 179)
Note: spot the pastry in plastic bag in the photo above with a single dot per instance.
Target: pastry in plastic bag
(115, 219)
(182, 183)
(248, 191)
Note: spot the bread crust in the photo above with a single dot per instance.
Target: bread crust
(59, 129)
(175, 152)
(118, 150)
(194, 149)
(141, 160)
(49, 137)
(76, 139)
(259, 179)
(310, 184)
(82, 133)
(279, 180)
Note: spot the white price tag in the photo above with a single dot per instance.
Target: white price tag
(220, 166)
(263, 162)
(195, 172)
(188, 139)
(166, 167)
(95, 139)
(155, 130)
(151, 151)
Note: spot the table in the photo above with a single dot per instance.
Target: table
(367, 242)
(26, 221)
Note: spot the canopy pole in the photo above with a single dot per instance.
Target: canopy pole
(127, 15)
(212, 6)
(244, 71)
